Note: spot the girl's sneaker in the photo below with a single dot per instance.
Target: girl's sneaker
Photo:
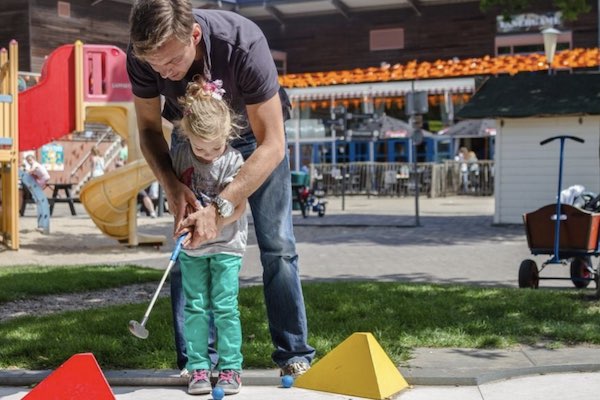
(230, 381)
(199, 382)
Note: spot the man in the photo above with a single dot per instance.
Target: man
(170, 44)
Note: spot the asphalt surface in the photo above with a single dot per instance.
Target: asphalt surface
(367, 239)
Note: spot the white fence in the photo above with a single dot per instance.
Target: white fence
(399, 179)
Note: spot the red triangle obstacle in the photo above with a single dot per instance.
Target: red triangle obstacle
(78, 378)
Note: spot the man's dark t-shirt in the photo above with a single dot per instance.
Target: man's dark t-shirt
(236, 53)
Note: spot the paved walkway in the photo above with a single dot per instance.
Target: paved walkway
(359, 238)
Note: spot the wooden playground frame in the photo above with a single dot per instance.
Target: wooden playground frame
(9, 144)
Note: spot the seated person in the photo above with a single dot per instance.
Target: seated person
(146, 201)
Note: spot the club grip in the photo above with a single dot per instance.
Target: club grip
(177, 248)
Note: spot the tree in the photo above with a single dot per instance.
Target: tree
(571, 9)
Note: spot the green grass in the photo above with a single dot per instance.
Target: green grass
(402, 316)
(21, 282)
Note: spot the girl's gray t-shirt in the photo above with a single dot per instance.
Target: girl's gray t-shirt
(207, 180)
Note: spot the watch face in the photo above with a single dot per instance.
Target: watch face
(226, 209)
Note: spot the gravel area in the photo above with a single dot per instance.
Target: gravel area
(44, 305)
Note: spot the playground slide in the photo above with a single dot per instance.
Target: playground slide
(111, 202)
(111, 199)
(47, 110)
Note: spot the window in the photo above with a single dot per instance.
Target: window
(64, 9)
(386, 39)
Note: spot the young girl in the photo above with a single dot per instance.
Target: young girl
(206, 163)
(97, 163)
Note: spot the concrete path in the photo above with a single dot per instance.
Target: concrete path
(546, 387)
(359, 238)
(370, 239)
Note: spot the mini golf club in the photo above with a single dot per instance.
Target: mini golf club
(138, 329)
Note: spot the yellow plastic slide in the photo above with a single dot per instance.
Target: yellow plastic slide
(111, 202)
(111, 199)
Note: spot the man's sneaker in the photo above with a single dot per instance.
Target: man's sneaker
(199, 382)
(295, 369)
(230, 381)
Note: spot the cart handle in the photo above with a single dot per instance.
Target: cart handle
(555, 259)
(575, 138)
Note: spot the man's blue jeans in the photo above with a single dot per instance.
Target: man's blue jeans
(271, 207)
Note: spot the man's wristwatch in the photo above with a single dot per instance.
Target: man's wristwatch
(224, 207)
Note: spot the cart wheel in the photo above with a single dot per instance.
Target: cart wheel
(580, 270)
(528, 275)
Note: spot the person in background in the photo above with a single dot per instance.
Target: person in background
(123, 154)
(170, 43)
(473, 165)
(206, 164)
(97, 163)
(146, 201)
(461, 157)
(38, 171)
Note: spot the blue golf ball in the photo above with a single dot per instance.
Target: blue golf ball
(218, 393)
(287, 381)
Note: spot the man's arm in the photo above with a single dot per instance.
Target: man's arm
(156, 152)
(266, 121)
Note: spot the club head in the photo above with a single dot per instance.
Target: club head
(138, 330)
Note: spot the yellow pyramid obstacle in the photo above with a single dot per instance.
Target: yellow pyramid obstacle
(356, 367)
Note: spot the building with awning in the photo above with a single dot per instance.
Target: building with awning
(364, 56)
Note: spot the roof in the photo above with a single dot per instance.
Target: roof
(470, 128)
(383, 89)
(424, 70)
(281, 10)
(534, 95)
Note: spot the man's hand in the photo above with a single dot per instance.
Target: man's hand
(182, 202)
(203, 225)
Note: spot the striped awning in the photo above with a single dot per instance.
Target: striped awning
(383, 89)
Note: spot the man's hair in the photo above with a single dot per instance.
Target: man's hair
(153, 22)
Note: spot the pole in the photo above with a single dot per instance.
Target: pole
(343, 170)
(556, 257)
(417, 180)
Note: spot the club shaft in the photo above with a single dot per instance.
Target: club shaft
(158, 289)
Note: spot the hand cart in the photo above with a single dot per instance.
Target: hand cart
(568, 233)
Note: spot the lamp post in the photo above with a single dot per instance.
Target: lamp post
(416, 106)
(550, 39)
